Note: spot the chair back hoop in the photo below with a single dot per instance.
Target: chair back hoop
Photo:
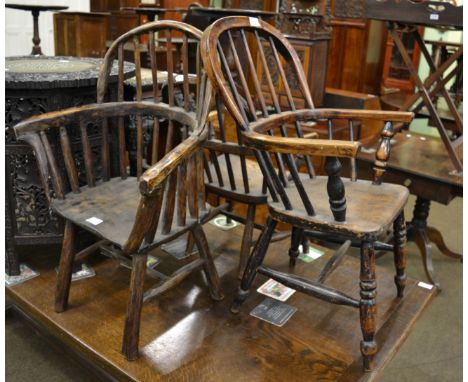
(171, 190)
(269, 82)
(254, 68)
(152, 29)
(257, 73)
(171, 77)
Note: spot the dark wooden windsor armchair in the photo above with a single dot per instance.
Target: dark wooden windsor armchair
(312, 204)
(129, 215)
(227, 173)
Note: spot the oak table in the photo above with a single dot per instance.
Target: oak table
(35, 10)
(423, 165)
(185, 336)
(36, 85)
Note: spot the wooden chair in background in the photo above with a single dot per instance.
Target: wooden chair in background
(315, 205)
(129, 215)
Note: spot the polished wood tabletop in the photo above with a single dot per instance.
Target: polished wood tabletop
(419, 155)
(185, 336)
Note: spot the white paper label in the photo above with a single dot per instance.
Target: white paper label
(425, 285)
(254, 22)
(434, 16)
(94, 220)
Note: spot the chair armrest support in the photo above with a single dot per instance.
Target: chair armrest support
(153, 178)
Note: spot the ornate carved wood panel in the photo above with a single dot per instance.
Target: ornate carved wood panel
(29, 220)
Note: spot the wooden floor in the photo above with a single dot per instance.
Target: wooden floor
(185, 336)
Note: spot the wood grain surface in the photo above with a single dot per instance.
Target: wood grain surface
(186, 336)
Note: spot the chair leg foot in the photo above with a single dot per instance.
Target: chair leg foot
(132, 322)
(399, 251)
(368, 350)
(64, 276)
(297, 237)
(239, 300)
(209, 268)
(368, 308)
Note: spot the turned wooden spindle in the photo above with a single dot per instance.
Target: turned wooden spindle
(399, 252)
(383, 152)
(335, 189)
(367, 306)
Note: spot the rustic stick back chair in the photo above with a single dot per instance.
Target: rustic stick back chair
(131, 216)
(312, 204)
(172, 82)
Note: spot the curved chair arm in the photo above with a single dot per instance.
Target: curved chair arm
(266, 124)
(64, 117)
(153, 178)
(307, 146)
(33, 131)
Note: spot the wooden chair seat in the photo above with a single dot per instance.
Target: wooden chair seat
(254, 175)
(114, 202)
(362, 197)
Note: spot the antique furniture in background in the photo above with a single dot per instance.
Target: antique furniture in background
(81, 34)
(130, 216)
(395, 72)
(35, 10)
(405, 17)
(279, 140)
(36, 85)
(430, 179)
(308, 30)
(308, 33)
(356, 54)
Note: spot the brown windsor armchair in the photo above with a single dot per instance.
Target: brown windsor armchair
(316, 205)
(129, 215)
(228, 174)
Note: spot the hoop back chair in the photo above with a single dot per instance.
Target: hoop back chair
(227, 173)
(168, 75)
(129, 215)
(235, 177)
(309, 203)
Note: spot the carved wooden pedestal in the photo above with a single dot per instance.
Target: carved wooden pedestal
(424, 235)
(35, 85)
(35, 10)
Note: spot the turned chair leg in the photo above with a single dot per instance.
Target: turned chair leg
(399, 252)
(367, 306)
(246, 239)
(64, 276)
(297, 237)
(208, 266)
(255, 260)
(132, 322)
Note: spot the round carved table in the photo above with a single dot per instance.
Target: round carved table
(35, 10)
(36, 85)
